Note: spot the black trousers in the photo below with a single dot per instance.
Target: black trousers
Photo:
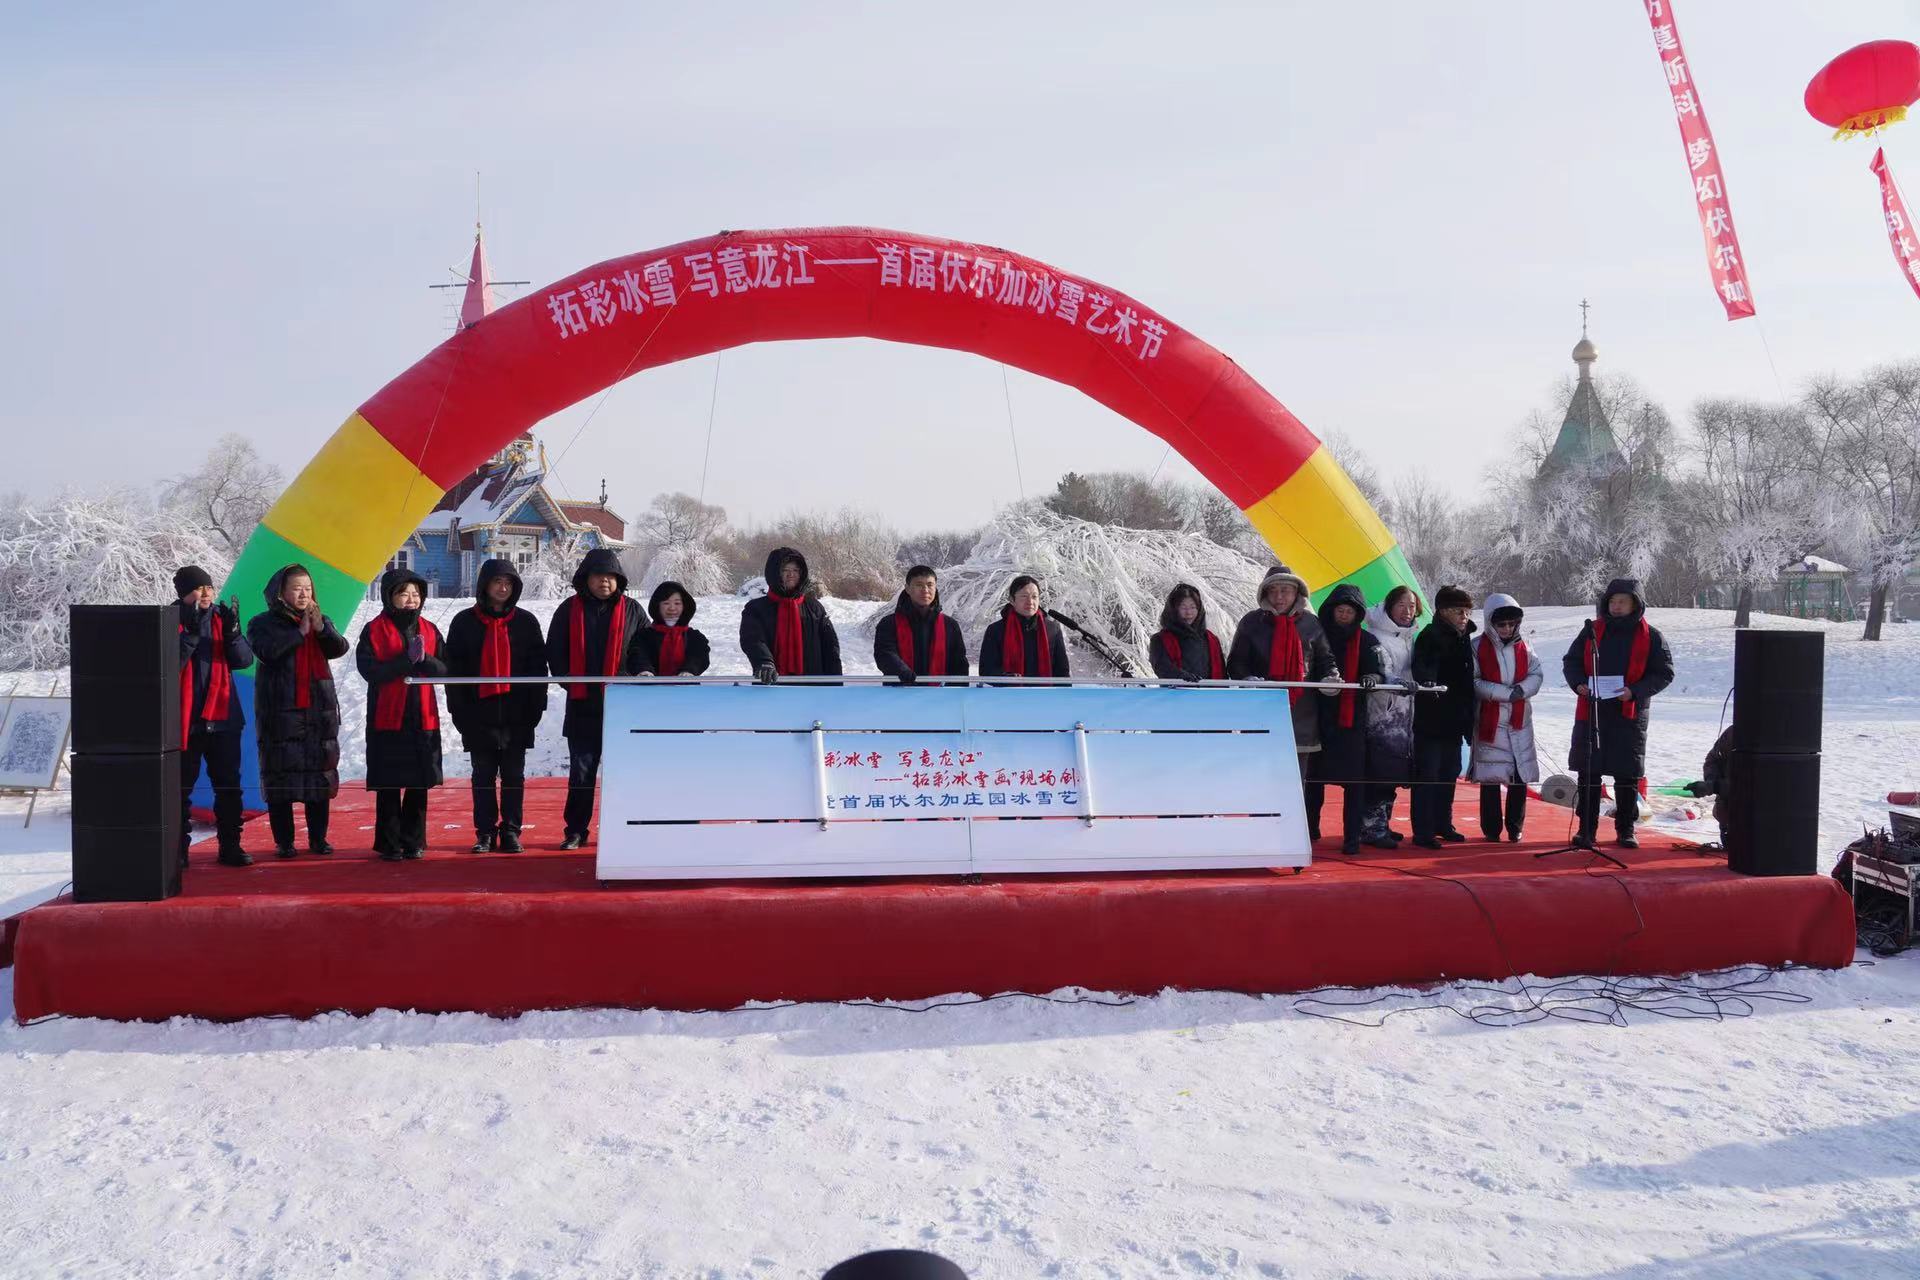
(505, 811)
(1490, 810)
(1436, 767)
(1626, 804)
(280, 818)
(1353, 802)
(399, 819)
(220, 752)
(583, 769)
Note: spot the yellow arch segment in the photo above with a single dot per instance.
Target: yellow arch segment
(355, 502)
(1321, 524)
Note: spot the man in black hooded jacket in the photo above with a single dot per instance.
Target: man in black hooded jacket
(497, 722)
(906, 642)
(1617, 650)
(212, 648)
(787, 632)
(1442, 655)
(592, 633)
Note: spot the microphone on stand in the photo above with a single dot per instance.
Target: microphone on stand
(1065, 621)
(1114, 660)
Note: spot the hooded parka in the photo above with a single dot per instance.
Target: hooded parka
(1503, 752)
(299, 745)
(760, 622)
(918, 624)
(1251, 654)
(1197, 649)
(696, 655)
(586, 709)
(506, 720)
(1343, 747)
(407, 757)
(1623, 741)
(1390, 715)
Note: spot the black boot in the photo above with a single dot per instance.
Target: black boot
(1623, 836)
(508, 841)
(319, 848)
(484, 844)
(234, 858)
(573, 841)
(285, 851)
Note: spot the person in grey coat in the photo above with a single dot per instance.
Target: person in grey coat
(1506, 679)
(1282, 640)
(1393, 623)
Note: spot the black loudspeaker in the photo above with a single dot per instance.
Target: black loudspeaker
(126, 827)
(1773, 813)
(126, 677)
(1777, 682)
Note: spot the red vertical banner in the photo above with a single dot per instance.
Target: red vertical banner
(1900, 232)
(1724, 259)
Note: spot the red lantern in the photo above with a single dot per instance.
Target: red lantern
(1866, 88)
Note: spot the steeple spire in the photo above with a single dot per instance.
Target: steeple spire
(1584, 352)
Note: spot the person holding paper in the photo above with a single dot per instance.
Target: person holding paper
(1615, 666)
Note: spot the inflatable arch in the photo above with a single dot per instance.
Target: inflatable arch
(370, 485)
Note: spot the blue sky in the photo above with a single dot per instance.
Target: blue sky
(223, 218)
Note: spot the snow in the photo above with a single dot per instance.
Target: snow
(1186, 1134)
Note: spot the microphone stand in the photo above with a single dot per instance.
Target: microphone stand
(1593, 749)
(1116, 661)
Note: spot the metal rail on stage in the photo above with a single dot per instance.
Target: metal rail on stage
(997, 681)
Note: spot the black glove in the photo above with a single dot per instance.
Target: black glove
(1190, 677)
(1368, 682)
(228, 618)
(416, 648)
(766, 673)
(907, 676)
(1700, 790)
(1517, 694)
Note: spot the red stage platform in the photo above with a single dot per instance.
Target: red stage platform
(504, 933)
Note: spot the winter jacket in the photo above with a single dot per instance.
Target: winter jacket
(585, 713)
(1343, 748)
(1623, 742)
(759, 622)
(197, 653)
(506, 721)
(646, 645)
(1193, 642)
(1252, 651)
(410, 755)
(1509, 756)
(1442, 655)
(920, 622)
(993, 659)
(299, 746)
(1716, 774)
(1390, 715)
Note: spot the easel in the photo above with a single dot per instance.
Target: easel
(33, 793)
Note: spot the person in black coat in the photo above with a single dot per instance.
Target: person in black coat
(1282, 640)
(671, 646)
(1183, 648)
(1021, 643)
(787, 632)
(497, 722)
(403, 720)
(593, 632)
(212, 648)
(1442, 654)
(1342, 758)
(296, 714)
(908, 641)
(1611, 738)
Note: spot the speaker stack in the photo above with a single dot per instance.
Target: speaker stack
(126, 752)
(1773, 773)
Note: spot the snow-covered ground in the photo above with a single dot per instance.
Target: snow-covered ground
(1188, 1134)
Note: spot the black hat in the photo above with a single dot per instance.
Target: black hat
(190, 578)
(1452, 598)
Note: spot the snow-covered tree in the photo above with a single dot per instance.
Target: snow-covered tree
(1867, 435)
(1110, 578)
(228, 493)
(550, 575)
(675, 540)
(110, 548)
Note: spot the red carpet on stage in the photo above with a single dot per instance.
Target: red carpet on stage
(504, 933)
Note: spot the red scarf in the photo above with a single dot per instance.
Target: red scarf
(219, 683)
(1013, 645)
(903, 633)
(1350, 670)
(1286, 657)
(309, 665)
(1636, 665)
(1488, 655)
(673, 648)
(1216, 665)
(577, 643)
(390, 703)
(789, 641)
(496, 651)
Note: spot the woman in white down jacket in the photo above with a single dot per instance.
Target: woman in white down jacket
(1390, 714)
(1506, 680)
